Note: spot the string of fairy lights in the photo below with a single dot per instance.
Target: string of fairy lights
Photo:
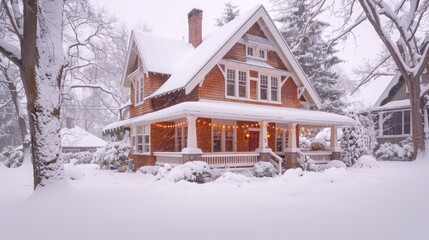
(243, 126)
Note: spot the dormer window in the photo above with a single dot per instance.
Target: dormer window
(138, 90)
(256, 52)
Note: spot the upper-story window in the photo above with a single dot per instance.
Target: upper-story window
(256, 52)
(138, 90)
(236, 83)
(269, 88)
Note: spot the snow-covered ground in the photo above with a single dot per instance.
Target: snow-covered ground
(389, 202)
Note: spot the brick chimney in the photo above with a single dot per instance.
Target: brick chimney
(195, 29)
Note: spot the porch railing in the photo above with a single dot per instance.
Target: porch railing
(230, 159)
(277, 161)
(319, 156)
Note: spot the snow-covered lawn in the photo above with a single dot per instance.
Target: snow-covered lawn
(390, 202)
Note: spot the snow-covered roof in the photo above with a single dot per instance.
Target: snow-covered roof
(237, 111)
(188, 66)
(78, 137)
(386, 91)
(165, 54)
(394, 105)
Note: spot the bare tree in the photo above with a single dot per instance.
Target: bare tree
(402, 27)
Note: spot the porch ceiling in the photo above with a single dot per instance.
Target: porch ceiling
(238, 111)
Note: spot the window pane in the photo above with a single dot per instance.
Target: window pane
(250, 51)
(262, 53)
(146, 139)
(229, 145)
(407, 126)
(274, 89)
(146, 148)
(139, 130)
(146, 129)
(242, 83)
(264, 87)
(230, 86)
(216, 146)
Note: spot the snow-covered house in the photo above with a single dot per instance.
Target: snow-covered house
(76, 139)
(232, 98)
(392, 109)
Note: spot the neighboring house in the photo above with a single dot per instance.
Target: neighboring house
(76, 139)
(231, 99)
(392, 110)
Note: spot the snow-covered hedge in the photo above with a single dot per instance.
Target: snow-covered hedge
(151, 170)
(318, 146)
(336, 164)
(114, 154)
(264, 169)
(233, 178)
(366, 161)
(196, 171)
(11, 158)
(402, 151)
(81, 157)
(359, 139)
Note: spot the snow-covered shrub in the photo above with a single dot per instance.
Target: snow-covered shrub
(366, 161)
(72, 172)
(233, 178)
(402, 151)
(81, 157)
(114, 154)
(264, 169)
(11, 158)
(151, 170)
(304, 143)
(336, 164)
(196, 171)
(318, 146)
(359, 139)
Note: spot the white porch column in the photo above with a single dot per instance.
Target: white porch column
(263, 137)
(334, 140)
(192, 146)
(292, 144)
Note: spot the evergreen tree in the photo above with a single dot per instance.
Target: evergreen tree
(304, 35)
(230, 12)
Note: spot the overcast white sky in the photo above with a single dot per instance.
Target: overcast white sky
(169, 18)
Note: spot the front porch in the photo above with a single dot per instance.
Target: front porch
(227, 134)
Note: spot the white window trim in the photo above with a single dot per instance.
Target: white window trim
(236, 83)
(285, 135)
(136, 91)
(381, 120)
(183, 134)
(279, 88)
(223, 135)
(256, 48)
(134, 145)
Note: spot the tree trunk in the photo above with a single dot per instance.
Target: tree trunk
(42, 63)
(416, 115)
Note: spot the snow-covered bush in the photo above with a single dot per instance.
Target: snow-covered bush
(114, 154)
(11, 158)
(359, 139)
(318, 146)
(366, 161)
(264, 169)
(402, 151)
(72, 172)
(196, 171)
(233, 178)
(151, 170)
(336, 164)
(304, 143)
(81, 157)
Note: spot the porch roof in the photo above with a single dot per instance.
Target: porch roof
(237, 111)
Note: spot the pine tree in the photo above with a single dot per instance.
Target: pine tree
(230, 12)
(304, 35)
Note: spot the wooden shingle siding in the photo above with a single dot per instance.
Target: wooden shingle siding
(162, 139)
(256, 30)
(237, 52)
(274, 60)
(204, 134)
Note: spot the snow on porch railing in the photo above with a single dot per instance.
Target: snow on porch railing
(230, 159)
(319, 155)
(169, 157)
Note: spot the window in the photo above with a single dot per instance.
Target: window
(236, 83)
(282, 138)
(274, 89)
(242, 84)
(140, 139)
(138, 90)
(181, 137)
(396, 123)
(223, 136)
(264, 87)
(230, 82)
(250, 51)
(262, 53)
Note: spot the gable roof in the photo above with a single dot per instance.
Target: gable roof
(391, 89)
(195, 64)
(78, 137)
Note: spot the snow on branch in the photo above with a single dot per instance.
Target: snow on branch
(11, 52)
(95, 86)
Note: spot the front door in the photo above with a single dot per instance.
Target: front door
(253, 140)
